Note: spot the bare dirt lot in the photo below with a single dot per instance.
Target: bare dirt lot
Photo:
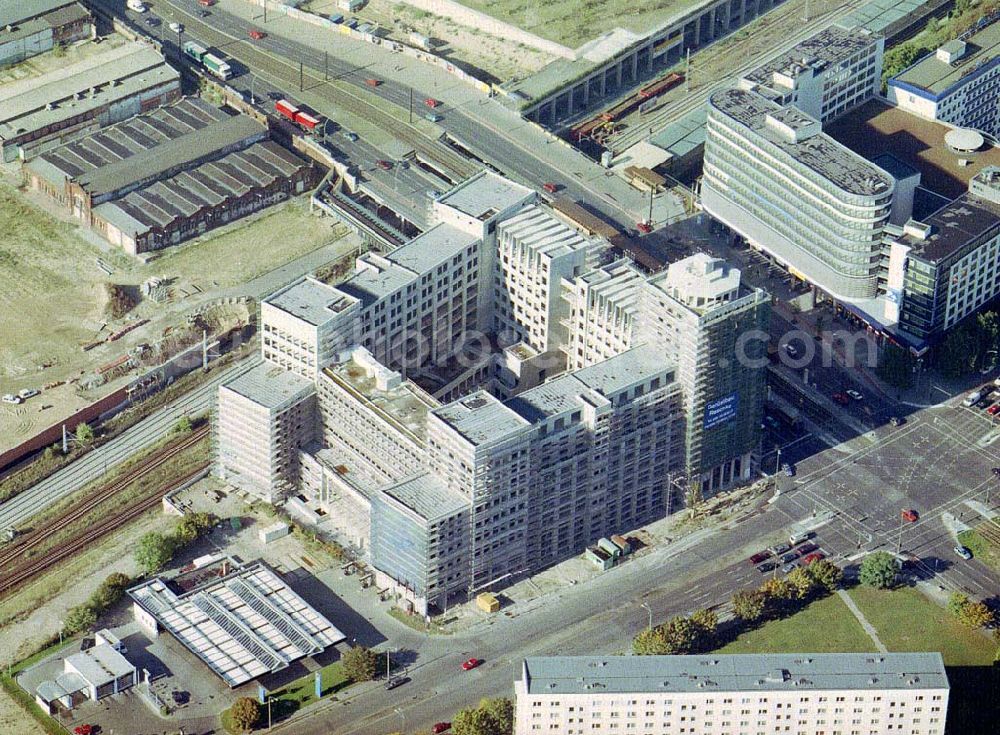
(471, 47)
(54, 294)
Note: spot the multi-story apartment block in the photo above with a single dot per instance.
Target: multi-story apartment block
(948, 266)
(263, 417)
(824, 76)
(790, 190)
(716, 333)
(491, 474)
(799, 694)
(958, 84)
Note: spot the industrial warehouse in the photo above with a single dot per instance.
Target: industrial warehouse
(32, 27)
(108, 87)
(168, 175)
(243, 622)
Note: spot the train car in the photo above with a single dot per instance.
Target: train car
(307, 120)
(286, 109)
(194, 50)
(660, 86)
(217, 66)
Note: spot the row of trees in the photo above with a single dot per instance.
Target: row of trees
(775, 598)
(970, 613)
(83, 616)
(155, 549)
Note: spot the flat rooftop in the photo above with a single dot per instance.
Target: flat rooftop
(71, 12)
(826, 49)
(937, 77)
(793, 672)
(954, 226)
(270, 386)
(483, 195)
(404, 406)
(311, 300)
(820, 152)
(876, 128)
(378, 276)
(241, 621)
(428, 496)
(481, 418)
(100, 664)
(78, 90)
(12, 13)
(537, 229)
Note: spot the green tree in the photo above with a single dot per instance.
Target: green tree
(154, 551)
(957, 602)
(681, 635)
(976, 615)
(956, 355)
(84, 434)
(193, 526)
(898, 58)
(651, 642)
(878, 570)
(801, 584)
(110, 591)
(988, 336)
(183, 425)
(245, 713)
(895, 367)
(360, 663)
(826, 574)
(748, 605)
(706, 623)
(777, 589)
(80, 617)
(491, 717)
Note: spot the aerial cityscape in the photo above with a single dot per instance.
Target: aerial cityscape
(499, 367)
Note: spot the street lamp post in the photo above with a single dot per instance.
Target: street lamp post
(650, 611)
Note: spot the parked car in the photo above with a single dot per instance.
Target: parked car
(779, 549)
(792, 350)
(810, 558)
(897, 420)
(760, 556)
(384, 165)
(350, 136)
(440, 727)
(766, 567)
(963, 551)
(256, 35)
(807, 548)
(854, 394)
(788, 470)
(994, 409)
(789, 567)
(550, 187)
(433, 117)
(204, 13)
(841, 398)
(26, 393)
(10, 398)
(431, 102)
(910, 515)
(790, 557)
(471, 663)
(373, 82)
(152, 21)
(176, 27)
(396, 681)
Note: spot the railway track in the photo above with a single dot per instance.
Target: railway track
(15, 570)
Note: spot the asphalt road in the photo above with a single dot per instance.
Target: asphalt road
(18, 511)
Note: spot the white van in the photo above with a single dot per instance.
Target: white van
(972, 399)
(136, 5)
(798, 538)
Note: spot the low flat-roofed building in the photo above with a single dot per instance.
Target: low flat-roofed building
(880, 693)
(168, 175)
(94, 673)
(32, 27)
(40, 112)
(876, 128)
(959, 83)
(241, 621)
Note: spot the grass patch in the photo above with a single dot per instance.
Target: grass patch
(416, 622)
(824, 626)
(906, 620)
(981, 547)
(294, 696)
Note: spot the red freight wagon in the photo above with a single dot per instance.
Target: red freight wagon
(306, 120)
(286, 109)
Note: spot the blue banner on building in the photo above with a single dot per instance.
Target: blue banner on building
(261, 694)
(721, 410)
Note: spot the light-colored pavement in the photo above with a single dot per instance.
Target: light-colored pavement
(868, 627)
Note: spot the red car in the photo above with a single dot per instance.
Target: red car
(841, 398)
(384, 165)
(815, 556)
(440, 727)
(910, 515)
(550, 188)
(471, 663)
(83, 730)
(431, 102)
(994, 409)
(760, 556)
(257, 35)
(373, 82)
(644, 227)
(206, 3)
(807, 548)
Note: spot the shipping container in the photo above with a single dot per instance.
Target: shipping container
(286, 109)
(195, 50)
(217, 66)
